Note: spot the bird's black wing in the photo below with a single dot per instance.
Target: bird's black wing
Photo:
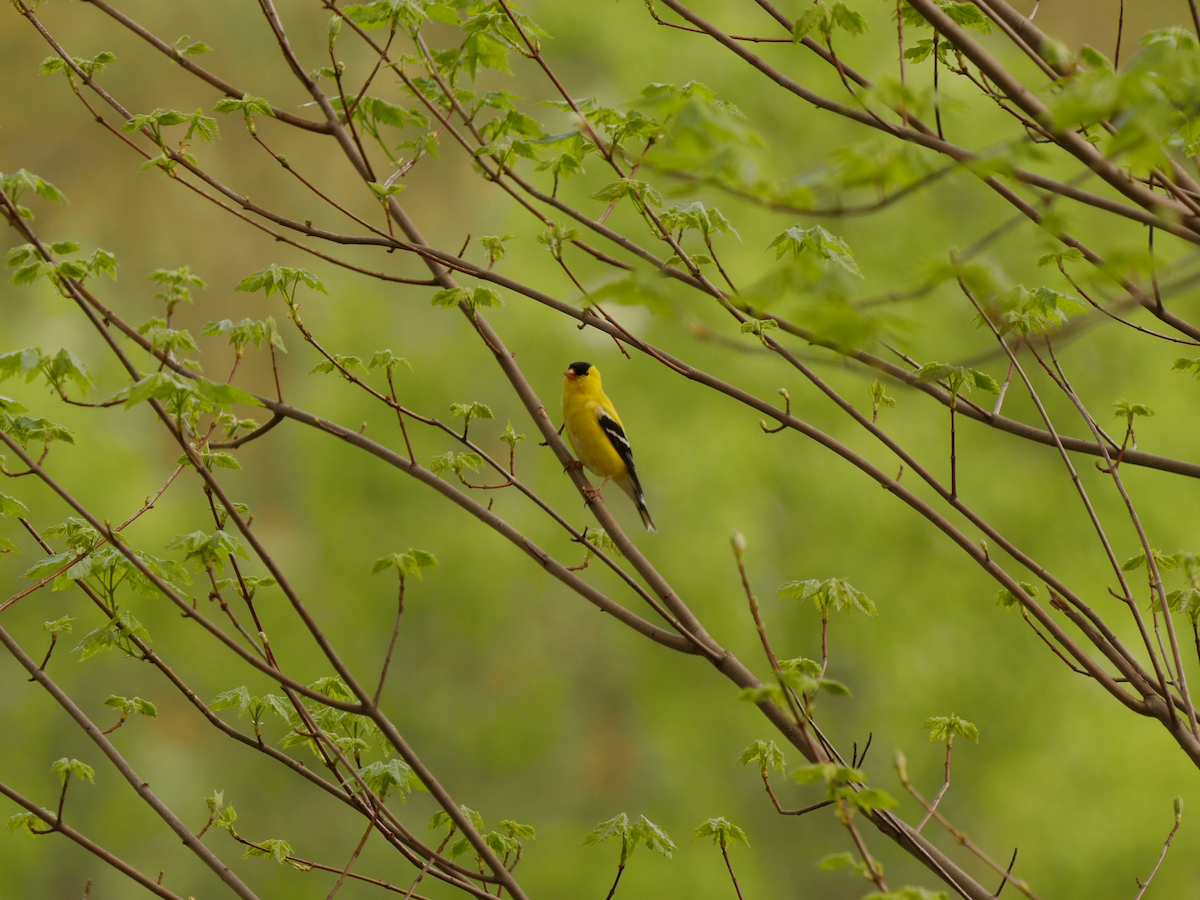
(616, 436)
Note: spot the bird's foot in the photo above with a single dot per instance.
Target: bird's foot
(594, 494)
(572, 464)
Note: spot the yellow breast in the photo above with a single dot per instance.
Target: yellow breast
(591, 444)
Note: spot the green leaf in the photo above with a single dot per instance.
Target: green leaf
(456, 463)
(469, 411)
(382, 191)
(765, 753)
(224, 395)
(65, 768)
(767, 693)
(957, 377)
(494, 245)
(1040, 311)
(1183, 364)
(411, 562)
(340, 364)
(871, 799)
(278, 850)
(829, 773)
(722, 831)
(848, 20)
(1126, 410)
(58, 626)
(116, 634)
(186, 47)
(946, 728)
(388, 361)
(136, 705)
(612, 829)
(205, 550)
(651, 836)
(482, 49)
(511, 438)
(516, 829)
(177, 284)
(27, 823)
(16, 183)
(248, 106)
(472, 297)
(815, 242)
(283, 279)
(1007, 598)
(831, 594)
(10, 506)
(384, 775)
(48, 566)
(835, 861)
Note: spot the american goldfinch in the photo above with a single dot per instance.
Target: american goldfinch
(595, 432)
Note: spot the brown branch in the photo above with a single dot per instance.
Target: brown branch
(86, 843)
(140, 785)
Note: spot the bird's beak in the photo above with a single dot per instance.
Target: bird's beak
(570, 373)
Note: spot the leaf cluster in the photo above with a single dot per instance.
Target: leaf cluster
(834, 594)
(15, 184)
(630, 835)
(411, 562)
(947, 728)
(29, 264)
(473, 298)
(722, 831)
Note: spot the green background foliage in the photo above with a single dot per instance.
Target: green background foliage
(526, 702)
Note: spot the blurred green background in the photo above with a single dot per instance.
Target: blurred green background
(523, 700)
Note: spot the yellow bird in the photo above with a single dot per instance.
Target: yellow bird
(595, 431)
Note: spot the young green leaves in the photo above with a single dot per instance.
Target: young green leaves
(29, 265)
(185, 46)
(22, 180)
(946, 728)
(176, 286)
(833, 594)
(766, 754)
(65, 768)
(1127, 411)
(494, 245)
(385, 775)
(458, 463)
(284, 280)
(473, 298)
(128, 707)
(245, 332)
(879, 399)
(824, 19)
(248, 106)
(89, 67)
(411, 562)
(469, 411)
(815, 243)
(643, 831)
(208, 551)
(57, 370)
(117, 634)
(722, 831)
(844, 785)
(957, 377)
(1007, 599)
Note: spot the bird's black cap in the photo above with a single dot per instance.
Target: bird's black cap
(580, 368)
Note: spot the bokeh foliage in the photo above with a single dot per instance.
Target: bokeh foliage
(518, 695)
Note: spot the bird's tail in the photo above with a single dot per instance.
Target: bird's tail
(631, 487)
(646, 520)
